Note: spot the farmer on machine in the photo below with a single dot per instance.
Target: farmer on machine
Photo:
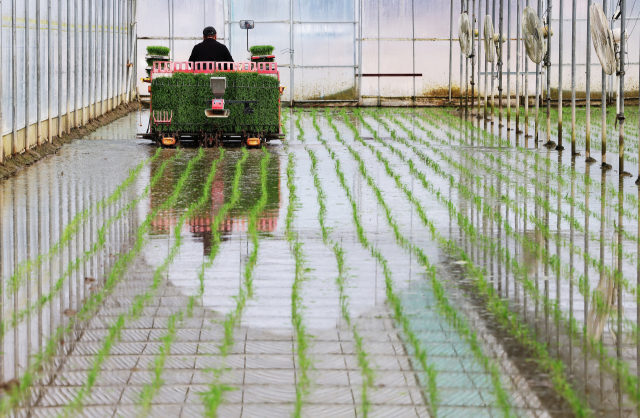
(210, 49)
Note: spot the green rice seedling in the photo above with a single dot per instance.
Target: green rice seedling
(141, 300)
(92, 303)
(341, 280)
(393, 299)
(560, 383)
(261, 49)
(23, 269)
(158, 50)
(213, 397)
(302, 339)
(150, 390)
(450, 313)
(595, 346)
(594, 262)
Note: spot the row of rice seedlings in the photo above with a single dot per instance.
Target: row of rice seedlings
(630, 384)
(24, 268)
(16, 317)
(12, 398)
(496, 304)
(341, 280)
(561, 240)
(141, 300)
(451, 314)
(212, 398)
(297, 307)
(392, 297)
(570, 218)
(151, 389)
(562, 170)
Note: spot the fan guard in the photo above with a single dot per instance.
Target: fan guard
(464, 34)
(533, 35)
(489, 46)
(602, 38)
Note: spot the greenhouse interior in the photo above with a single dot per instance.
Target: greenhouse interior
(331, 208)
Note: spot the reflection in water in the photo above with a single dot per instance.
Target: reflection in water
(237, 219)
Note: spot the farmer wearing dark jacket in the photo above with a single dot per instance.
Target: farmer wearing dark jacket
(210, 49)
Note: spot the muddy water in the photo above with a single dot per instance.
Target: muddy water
(154, 258)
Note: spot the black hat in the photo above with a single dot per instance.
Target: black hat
(209, 31)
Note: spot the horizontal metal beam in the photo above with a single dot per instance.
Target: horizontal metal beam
(180, 38)
(325, 101)
(392, 75)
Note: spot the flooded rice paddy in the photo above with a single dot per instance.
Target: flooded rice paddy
(391, 262)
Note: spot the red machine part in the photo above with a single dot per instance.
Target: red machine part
(217, 104)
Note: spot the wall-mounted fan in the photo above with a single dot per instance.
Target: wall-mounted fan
(464, 34)
(603, 40)
(533, 35)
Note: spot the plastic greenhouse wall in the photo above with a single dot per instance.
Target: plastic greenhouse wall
(64, 62)
(337, 47)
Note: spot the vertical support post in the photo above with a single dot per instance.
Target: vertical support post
(49, 73)
(620, 117)
(508, 65)
(76, 66)
(473, 55)
(68, 90)
(450, 45)
(359, 52)
(104, 53)
(92, 71)
(493, 98)
(413, 47)
(486, 68)
(379, 53)
(603, 103)
(548, 65)
(291, 63)
(466, 74)
(84, 82)
(500, 63)
(134, 32)
(27, 75)
(479, 54)
(518, 58)
(588, 87)
(109, 60)
(526, 87)
(573, 78)
(462, 58)
(536, 131)
(59, 68)
(117, 49)
(38, 78)
(560, 84)
(14, 79)
(1, 144)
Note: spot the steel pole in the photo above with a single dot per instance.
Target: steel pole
(479, 54)
(134, 34)
(573, 78)
(68, 91)
(548, 66)
(38, 78)
(518, 58)
(60, 68)
(85, 84)
(621, 114)
(466, 76)
(104, 74)
(473, 55)
(450, 44)
(486, 68)
(1, 119)
(14, 78)
(49, 73)
(462, 59)
(588, 88)
(291, 64)
(76, 59)
(526, 91)
(500, 43)
(508, 65)
(493, 97)
(92, 68)
(603, 104)
(536, 130)
(27, 76)
(560, 84)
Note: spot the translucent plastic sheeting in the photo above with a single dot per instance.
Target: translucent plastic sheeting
(92, 35)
